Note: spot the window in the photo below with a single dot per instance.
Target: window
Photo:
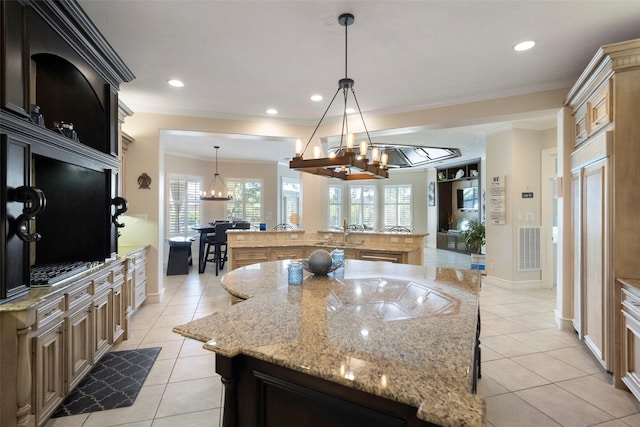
(397, 206)
(246, 204)
(335, 207)
(290, 199)
(362, 205)
(184, 204)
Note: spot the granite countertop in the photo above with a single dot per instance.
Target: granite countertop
(403, 332)
(324, 244)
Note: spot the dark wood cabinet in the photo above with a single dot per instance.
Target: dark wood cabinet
(14, 89)
(258, 393)
(54, 58)
(459, 200)
(14, 258)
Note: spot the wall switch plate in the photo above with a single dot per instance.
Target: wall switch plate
(294, 236)
(408, 240)
(240, 237)
(394, 240)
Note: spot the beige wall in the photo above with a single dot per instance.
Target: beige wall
(146, 207)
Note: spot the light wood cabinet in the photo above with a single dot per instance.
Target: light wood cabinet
(595, 252)
(78, 339)
(138, 275)
(48, 362)
(397, 257)
(630, 369)
(604, 153)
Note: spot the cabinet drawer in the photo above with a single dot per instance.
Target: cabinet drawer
(580, 123)
(140, 294)
(49, 311)
(78, 295)
(599, 110)
(256, 255)
(285, 253)
(381, 256)
(102, 281)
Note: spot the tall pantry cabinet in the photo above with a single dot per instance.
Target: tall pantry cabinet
(605, 195)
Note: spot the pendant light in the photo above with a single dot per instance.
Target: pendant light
(212, 194)
(345, 164)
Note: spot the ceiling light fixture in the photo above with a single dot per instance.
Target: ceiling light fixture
(520, 47)
(175, 83)
(212, 195)
(316, 98)
(272, 111)
(345, 164)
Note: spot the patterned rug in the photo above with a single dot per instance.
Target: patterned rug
(114, 382)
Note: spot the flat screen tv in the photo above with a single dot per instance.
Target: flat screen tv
(467, 198)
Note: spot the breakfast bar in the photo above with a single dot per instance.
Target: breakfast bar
(373, 343)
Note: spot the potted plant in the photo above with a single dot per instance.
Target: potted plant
(474, 238)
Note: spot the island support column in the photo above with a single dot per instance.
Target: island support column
(224, 367)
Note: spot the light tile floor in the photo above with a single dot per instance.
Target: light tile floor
(532, 373)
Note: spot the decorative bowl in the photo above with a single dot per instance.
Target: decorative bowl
(320, 271)
(320, 263)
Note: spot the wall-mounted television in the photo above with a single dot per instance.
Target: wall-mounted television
(468, 198)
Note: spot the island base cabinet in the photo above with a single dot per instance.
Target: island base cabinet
(260, 393)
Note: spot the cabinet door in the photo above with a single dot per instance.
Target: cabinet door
(117, 312)
(15, 58)
(78, 339)
(14, 259)
(596, 298)
(48, 379)
(576, 262)
(102, 325)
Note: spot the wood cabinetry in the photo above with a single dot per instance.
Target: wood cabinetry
(630, 350)
(50, 341)
(48, 361)
(605, 102)
(241, 257)
(56, 67)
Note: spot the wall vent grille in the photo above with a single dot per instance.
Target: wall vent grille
(529, 248)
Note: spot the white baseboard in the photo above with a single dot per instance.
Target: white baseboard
(506, 284)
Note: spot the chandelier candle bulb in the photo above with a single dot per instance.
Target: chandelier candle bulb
(363, 149)
(384, 159)
(375, 155)
(350, 142)
(298, 147)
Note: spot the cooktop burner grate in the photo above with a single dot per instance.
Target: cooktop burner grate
(50, 274)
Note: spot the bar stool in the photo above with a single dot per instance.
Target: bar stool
(179, 255)
(217, 246)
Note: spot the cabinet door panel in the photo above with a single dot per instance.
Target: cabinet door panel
(78, 342)
(14, 259)
(576, 231)
(48, 388)
(15, 60)
(595, 267)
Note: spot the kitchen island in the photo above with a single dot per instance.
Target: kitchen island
(251, 247)
(375, 343)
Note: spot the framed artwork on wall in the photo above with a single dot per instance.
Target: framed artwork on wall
(431, 194)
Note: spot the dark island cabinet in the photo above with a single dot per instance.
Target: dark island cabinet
(59, 170)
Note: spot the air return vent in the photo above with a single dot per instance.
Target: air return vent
(528, 248)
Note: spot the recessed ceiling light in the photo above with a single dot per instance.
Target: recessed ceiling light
(272, 111)
(350, 110)
(316, 98)
(524, 46)
(175, 83)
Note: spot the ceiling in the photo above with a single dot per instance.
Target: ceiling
(237, 58)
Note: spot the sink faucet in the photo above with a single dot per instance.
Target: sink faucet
(345, 227)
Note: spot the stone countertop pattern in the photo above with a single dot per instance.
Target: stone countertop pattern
(323, 244)
(403, 332)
